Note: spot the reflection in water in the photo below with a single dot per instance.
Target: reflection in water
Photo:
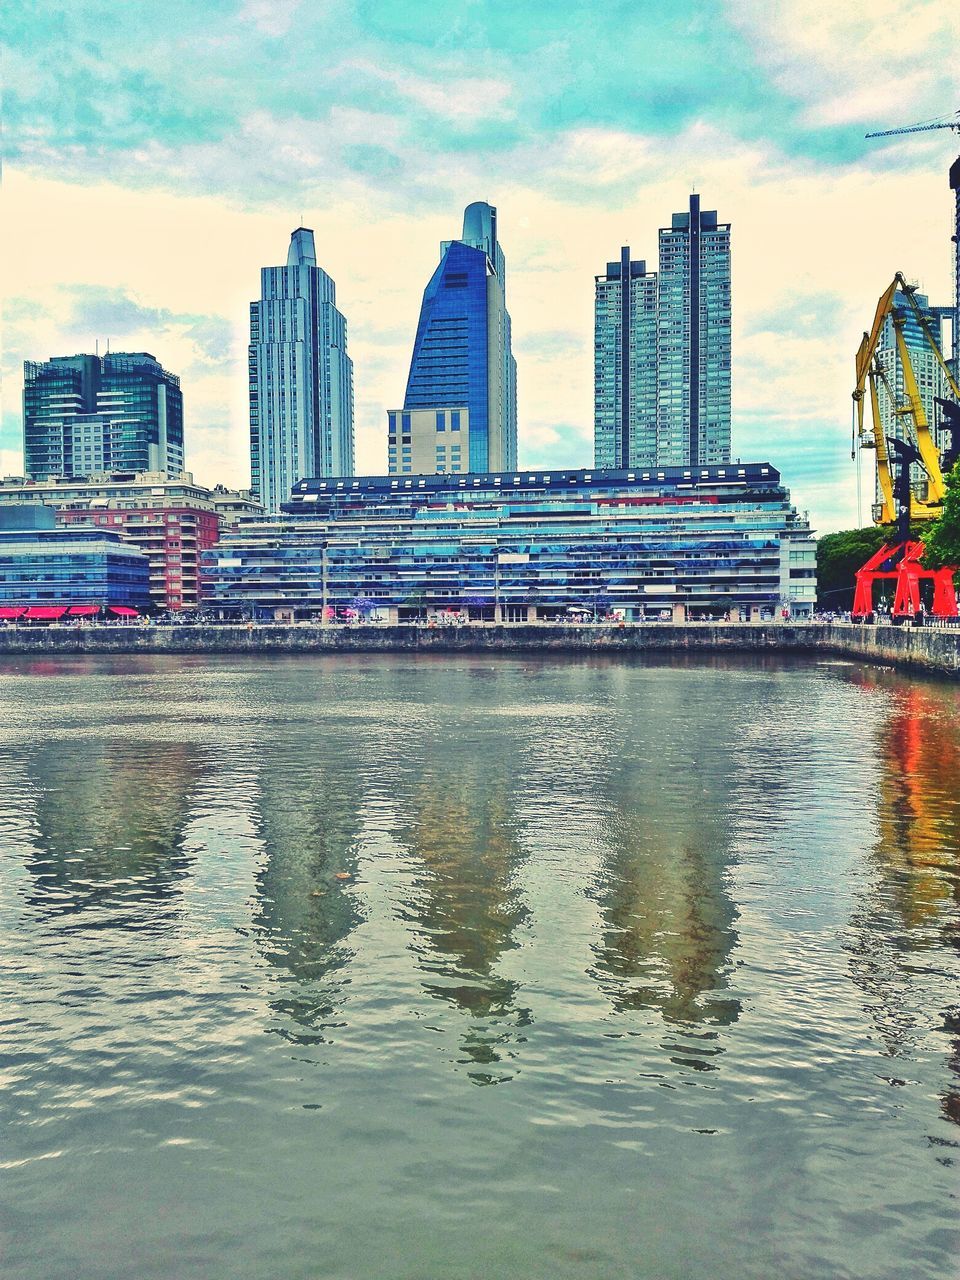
(668, 919)
(307, 815)
(465, 904)
(558, 874)
(109, 821)
(913, 900)
(668, 922)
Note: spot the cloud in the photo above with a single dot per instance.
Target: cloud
(270, 17)
(853, 63)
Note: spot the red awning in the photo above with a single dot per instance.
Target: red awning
(122, 611)
(12, 610)
(48, 612)
(84, 610)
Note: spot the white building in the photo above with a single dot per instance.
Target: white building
(301, 378)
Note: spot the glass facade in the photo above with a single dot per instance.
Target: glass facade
(87, 414)
(300, 377)
(462, 352)
(524, 545)
(71, 567)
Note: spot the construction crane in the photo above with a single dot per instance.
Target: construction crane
(869, 370)
(901, 560)
(925, 126)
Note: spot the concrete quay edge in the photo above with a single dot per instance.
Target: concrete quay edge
(925, 649)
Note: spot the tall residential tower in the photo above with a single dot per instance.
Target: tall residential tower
(460, 408)
(301, 378)
(693, 340)
(88, 414)
(625, 365)
(662, 350)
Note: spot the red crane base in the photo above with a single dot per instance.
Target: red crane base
(908, 575)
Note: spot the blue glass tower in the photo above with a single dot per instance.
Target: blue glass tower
(462, 356)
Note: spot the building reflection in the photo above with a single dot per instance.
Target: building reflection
(912, 903)
(667, 918)
(109, 822)
(307, 814)
(465, 904)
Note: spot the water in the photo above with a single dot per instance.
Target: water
(476, 968)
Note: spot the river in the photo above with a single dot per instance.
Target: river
(461, 968)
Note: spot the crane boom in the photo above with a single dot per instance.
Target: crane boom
(917, 128)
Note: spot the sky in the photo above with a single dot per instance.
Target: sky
(157, 156)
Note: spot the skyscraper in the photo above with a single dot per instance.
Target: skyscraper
(462, 369)
(625, 365)
(301, 378)
(86, 414)
(693, 340)
(662, 350)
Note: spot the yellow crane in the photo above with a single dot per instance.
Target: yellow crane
(871, 372)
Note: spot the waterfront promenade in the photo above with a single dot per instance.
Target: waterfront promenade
(931, 648)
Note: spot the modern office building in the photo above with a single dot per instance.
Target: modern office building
(662, 350)
(45, 571)
(625, 365)
(693, 340)
(171, 520)
(301, 378)
(525, 546)
(84, 414)
(462, 356)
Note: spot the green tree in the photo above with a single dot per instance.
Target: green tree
(942, 540)
(839, 556)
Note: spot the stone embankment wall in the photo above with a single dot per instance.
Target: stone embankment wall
(917, 648)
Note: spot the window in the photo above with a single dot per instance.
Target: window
(405, 421)
(454, 419)
(441, 420)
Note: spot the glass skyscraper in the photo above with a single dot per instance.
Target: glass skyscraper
(662, 350)
(84, 415)
(462, 356)
(301, 378)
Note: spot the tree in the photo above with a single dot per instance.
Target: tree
(839, 556)
(942, 540)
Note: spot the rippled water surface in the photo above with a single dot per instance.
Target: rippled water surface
(468, 968)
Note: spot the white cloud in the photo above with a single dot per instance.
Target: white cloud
(886, 62)
(271, 17)
(449, 93)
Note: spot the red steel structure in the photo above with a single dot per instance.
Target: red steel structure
(906, 569)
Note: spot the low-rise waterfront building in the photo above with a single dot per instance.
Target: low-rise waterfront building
(46, 568)
(172, 520)
(515, 546)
